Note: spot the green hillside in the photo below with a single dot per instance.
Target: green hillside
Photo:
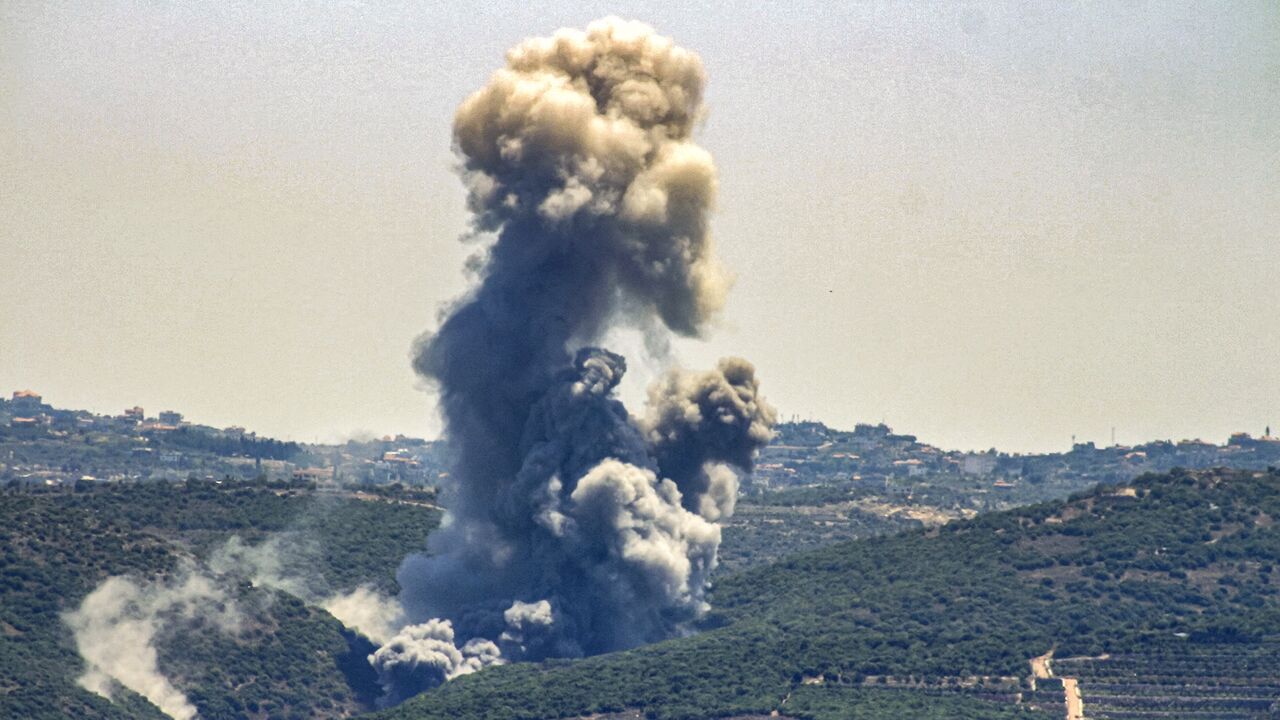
(1159, 597)
(289, 660)
(856, 629)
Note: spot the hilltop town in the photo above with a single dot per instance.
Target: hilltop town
(806, 464)
(41, 445)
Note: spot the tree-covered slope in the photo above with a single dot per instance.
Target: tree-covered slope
(936, 622)
(285, 659)
(1166, 557)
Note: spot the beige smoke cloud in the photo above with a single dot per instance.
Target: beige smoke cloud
(589, 131)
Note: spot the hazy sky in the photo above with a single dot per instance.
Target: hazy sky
(989, 224)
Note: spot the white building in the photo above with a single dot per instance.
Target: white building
(978, 464)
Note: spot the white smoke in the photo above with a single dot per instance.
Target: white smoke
(278, 563)
(287, 561)
(668, 551)
(116, 627)
(721, 497)
(366, 611)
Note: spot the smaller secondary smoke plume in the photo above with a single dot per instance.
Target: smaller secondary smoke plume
(117, 624)
(366, 611)
(699, 422)
(281, 563)
(529, 629)
(277, 563)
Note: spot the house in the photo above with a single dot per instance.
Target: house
(867, 436)
(27, 401)
(401, 457)
(912, 467)
(1197, 453)
(978, 464)
(134, 414)
(313, 474)
(169, 417)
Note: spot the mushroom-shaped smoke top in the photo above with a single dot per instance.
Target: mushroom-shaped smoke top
(581, 145)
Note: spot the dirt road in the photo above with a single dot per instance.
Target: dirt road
(1042, 669)
(1075, 704)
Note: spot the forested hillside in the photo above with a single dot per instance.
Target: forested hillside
(1160, 595)
(287, 659)
(1185, 558)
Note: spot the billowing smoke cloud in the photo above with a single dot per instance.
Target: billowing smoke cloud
(423, 656)
(699, 422)
(530, 629)
(574, 528)
(116, 627)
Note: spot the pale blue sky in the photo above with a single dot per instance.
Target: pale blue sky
(986, 223)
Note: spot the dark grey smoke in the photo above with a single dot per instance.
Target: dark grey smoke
(574, 528)
(699, 422)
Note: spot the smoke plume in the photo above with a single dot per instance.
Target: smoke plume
(574, 528)
(286, 562)
(697, 423)
(116, 627)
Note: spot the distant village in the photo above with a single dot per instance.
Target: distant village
(41, 445)
(881, 462)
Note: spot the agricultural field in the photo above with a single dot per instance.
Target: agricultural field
(1181, 679)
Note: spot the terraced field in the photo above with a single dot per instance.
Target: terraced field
(1220, 681)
